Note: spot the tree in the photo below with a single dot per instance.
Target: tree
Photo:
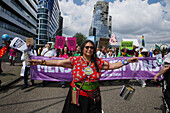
(80, 38)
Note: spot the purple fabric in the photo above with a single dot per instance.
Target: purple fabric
(146, 68)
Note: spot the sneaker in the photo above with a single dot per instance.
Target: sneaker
(63, 86)
(143, 85)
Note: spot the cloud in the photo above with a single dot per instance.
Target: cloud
(130, 19)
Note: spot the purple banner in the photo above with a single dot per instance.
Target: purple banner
(146, 68)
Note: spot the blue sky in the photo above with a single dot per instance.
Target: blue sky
(130, 18)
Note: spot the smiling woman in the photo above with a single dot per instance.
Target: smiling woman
(84, 94)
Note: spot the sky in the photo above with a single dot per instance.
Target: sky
(130, 19)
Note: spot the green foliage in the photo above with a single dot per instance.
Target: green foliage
(80, 38)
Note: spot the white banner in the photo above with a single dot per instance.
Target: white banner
(19, 44)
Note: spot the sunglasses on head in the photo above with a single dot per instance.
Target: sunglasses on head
(87, 47)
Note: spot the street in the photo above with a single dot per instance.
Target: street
(50, 99)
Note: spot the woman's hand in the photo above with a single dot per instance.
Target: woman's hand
(35, 62)
(133, 59)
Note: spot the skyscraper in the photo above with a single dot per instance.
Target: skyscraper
(18, 18)
(49, 21)
(101, 23)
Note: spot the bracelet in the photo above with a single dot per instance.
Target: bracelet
(43, 62)
(125, 62)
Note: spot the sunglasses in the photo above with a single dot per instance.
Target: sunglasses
(87, 47)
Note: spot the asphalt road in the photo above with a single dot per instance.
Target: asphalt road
(50, 99)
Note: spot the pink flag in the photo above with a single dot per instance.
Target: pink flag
(71, 43)
(113, 40)
(59, 42)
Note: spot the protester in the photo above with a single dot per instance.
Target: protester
(143, 53)
(111, 54)
(124, 53)
(84, 94)
(165, 71)
(26, 66)
(101, 53)
(12, 56)
(64, 54)
(48, 52)
(133, 51)
(78, 50)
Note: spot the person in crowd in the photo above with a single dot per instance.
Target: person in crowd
(78, 50)
(133, 52)
(48, 52)
(64, 54)
(101, 53)
(26, 68)
(39, 51)
(165, 71)
(143, 53)
(84, 94)
(155, 52)
(124, 53)
(12, 56)
(57, 52)
(111, 54)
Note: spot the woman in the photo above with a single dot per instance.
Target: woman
(12, 56)
(64, 54)
(84, 94)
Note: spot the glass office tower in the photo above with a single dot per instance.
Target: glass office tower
(101, 23)
(49, 21)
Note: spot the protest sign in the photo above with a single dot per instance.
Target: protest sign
(145, 68)
(19, 44)
(127, 44)
(60, 41)
(30, 41)
(71, 43)
(103, 42)
(113, 40)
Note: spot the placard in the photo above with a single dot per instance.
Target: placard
(30, 41)
(127, 44)
(59, 42)
(71, 43)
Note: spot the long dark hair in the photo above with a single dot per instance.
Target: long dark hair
(94, 56)
(63, 51)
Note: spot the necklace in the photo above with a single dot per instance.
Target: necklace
(88, 70)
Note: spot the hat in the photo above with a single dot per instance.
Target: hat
(167, 58)
(144, 50)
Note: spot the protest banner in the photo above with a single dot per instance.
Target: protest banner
(127, 44)
(19, 44)
(59, 42)
(146, 68)
(71, 43)
(30, 41)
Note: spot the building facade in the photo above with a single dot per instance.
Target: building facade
(49, 21)
(101, 26)
(18, 18)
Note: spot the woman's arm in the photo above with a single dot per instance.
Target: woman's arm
(164, 69)
(62, 63)
(118, 64)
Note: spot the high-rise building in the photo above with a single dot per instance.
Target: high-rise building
(18, 18)
(101, 24)
(49, 21)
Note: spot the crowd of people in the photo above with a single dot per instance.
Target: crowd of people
(91, 56)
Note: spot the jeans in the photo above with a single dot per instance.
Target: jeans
(26, 74)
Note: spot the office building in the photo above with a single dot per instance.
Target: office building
(101, 26)
(18, 18)
(49, 21)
